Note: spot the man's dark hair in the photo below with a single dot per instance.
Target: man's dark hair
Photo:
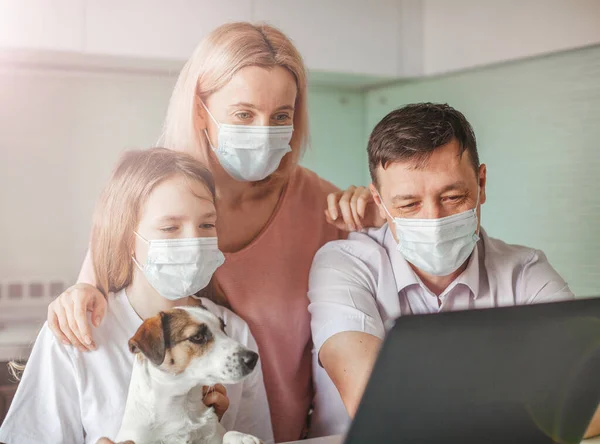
(414, 132)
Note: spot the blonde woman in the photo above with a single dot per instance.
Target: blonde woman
(154, 197)
(239, 106)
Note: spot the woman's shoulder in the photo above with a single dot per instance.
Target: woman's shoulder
(235, 327)
(306, 179)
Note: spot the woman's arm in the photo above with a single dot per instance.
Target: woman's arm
(67, 314)
(86, 275)
(46, 405)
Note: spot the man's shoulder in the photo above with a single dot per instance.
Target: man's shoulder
(361, 246)
(514, 255)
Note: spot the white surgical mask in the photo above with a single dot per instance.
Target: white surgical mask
(250, 153)
(178, 268)
(437, 246)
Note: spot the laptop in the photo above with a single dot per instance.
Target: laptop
(527, 374)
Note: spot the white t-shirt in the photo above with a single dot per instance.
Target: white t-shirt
(67, 396)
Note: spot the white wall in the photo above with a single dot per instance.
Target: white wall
(459, 34)
(62, 131)
(60, 134)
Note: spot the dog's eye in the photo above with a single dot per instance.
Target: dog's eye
(202, 336)
(198, 339)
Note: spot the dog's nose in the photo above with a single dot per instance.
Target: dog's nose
(249, 359)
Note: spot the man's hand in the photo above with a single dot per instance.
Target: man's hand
(348, 358)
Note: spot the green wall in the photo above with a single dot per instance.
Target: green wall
(538, 128)
(337, 151)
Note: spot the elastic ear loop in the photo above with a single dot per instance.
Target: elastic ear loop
(132, 256)
(205, 130)
(383, 205)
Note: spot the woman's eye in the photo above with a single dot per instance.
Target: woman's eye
(282, 117)
(243, 115)
(207, 226)
(168, 229)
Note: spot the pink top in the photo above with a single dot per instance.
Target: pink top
(266, 284)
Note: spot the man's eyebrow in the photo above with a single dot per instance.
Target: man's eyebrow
(400, 197)
(458, 185)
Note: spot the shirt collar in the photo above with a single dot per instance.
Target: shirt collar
(405, 275)
(470, 277)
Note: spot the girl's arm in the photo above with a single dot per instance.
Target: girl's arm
(46, 405)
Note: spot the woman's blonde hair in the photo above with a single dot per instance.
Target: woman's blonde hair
(118, 209)
(218, 57)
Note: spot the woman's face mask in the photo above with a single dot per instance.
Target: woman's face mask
(248, 152)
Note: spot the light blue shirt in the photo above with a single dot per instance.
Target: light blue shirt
(363, 283)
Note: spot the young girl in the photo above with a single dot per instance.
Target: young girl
(154, 199)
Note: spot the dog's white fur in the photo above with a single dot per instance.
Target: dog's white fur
(167, 408)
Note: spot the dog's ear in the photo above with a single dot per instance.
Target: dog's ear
(150, 339)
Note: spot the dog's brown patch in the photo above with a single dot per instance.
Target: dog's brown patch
(149, 340)
(172, 339)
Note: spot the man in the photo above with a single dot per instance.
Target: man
(431, 256)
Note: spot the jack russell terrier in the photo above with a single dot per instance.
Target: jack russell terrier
(177, 352)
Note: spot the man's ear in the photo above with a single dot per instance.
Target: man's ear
(482, 183)
(150, 338)
(377, 199)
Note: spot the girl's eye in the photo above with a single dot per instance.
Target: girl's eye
(207, 226)
(168, 229)
(243, 115)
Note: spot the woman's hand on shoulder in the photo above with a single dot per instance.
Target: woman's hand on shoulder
(67, 315)
(353, 209)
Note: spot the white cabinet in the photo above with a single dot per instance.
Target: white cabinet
(340, 36)
(156, 28)
(512, 29)
(347, 36)
(41, 24)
